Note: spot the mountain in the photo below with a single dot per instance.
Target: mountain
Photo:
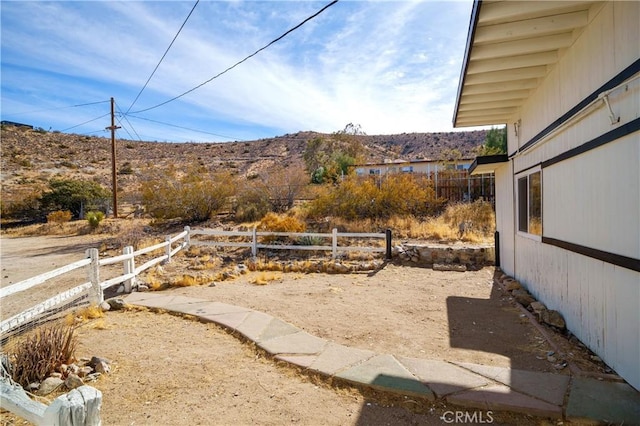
(30, 158)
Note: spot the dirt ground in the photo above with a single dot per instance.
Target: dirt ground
(175, 371)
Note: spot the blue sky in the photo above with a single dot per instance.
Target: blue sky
(390, 66)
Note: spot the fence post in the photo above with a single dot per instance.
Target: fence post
(334, 243)
(254, 243)
(187, 238)
(129, 268)
(167, 240)
(94, 275)
(388, 240)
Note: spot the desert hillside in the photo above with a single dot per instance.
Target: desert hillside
(30, 158)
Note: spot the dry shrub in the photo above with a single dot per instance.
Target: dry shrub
(190, 280)
(264, 278)
(377, 198)
(480, 213)
(59, 216)
(281, 223)
(85, 314)
(42, 352)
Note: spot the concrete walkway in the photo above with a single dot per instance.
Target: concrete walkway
(462, 384)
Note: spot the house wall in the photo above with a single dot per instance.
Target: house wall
(590, 200)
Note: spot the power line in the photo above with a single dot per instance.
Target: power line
(57, 108)
(161, 59)
(86, 122)
(128, 122)
(243, 60)
(185, 128)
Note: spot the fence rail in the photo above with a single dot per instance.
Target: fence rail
(87, 400)
(255, 245)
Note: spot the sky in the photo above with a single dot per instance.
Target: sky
(389, 66)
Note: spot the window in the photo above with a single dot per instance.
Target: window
(407, 169)
(530, 203)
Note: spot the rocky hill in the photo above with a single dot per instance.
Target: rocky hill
(30, 158)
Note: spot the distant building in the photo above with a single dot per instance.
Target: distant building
(451, 179)
(411, 166)
(13, 123)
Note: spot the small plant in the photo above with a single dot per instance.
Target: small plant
(59, 216)
(126, 169)
(94, 218)
(42, 352)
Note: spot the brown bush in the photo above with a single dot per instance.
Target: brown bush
(42, 352)
(59, 216)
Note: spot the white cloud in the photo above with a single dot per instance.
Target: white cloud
(389, 66)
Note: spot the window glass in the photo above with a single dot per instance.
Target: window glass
(535, 204)
(523, 222)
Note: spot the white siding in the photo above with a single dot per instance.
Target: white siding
(505, 216)
(592, 199)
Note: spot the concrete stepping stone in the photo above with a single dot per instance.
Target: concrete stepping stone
(548, 387)
(592, 400)
(442, 377)
(335, 358)
(385, 373)
(254, 324)
(503, 398)
(296, 343)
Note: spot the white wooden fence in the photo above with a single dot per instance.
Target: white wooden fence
(82, 406)
(252, 241)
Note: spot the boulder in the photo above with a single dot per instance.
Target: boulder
(537, 307)
(523, 297)
(553, 318)
(49, 384)
(73, 381)
(116, 304)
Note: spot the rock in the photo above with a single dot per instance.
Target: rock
(143, 287)
(449, 267)
(102, 368)
(513, 285)
(73, 381)
(553, 318)
(116, 304)
(97, 360)
(85, 371)
(49, 385)
(104, 306)
(56, 374)
(120, 289)
(523, 297)
(32, 387)
(537, 307)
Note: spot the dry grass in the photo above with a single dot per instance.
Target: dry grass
(265, 277)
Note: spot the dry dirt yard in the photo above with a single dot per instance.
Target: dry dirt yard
(172, 370)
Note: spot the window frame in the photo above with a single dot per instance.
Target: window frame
(520, 178)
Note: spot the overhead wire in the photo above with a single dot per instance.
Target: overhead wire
(123, 116)
(162, 58)
(185, 128)
(243, 60)
(86, 122)
(56, 108)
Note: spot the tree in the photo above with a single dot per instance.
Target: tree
(495, 141)
(327, 159)
(77, 196)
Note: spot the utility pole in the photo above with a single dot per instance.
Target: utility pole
(114, 183)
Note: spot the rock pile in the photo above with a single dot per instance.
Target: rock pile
(72, 376)
(445, 257)
(523, 297)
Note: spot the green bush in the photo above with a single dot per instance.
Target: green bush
(73, 195)
(94, 218)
